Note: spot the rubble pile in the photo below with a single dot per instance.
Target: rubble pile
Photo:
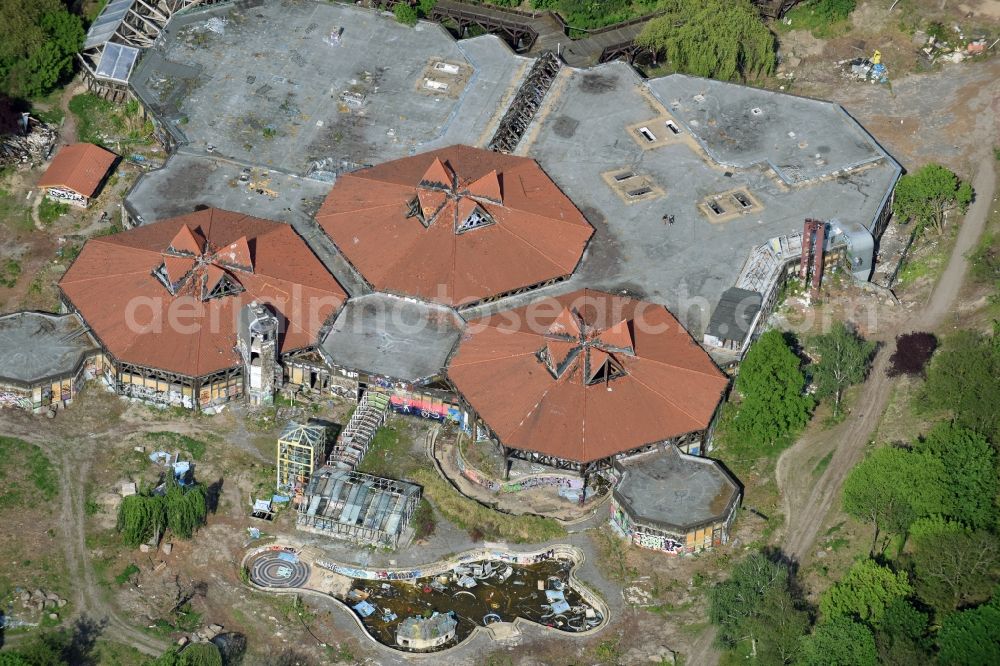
(28, 149)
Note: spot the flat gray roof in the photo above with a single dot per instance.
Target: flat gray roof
(37, 347)
(392, 336)
(586, 132)
(675, 490)
(307, 86)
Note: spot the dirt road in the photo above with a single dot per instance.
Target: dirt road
(806, 508)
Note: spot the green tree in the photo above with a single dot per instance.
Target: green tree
(901, 638)
(405, 14)
(720, 39)
(843, 360)
(839, 642)
(925, 196)
(962, 378)
(890, 489)
(865, 592)
(195, 654)
(971, 637)
(771, 386)
(970, 489)
(38, 41)
(186, 509)
(141, 518)
(757, 604)
(952, 565)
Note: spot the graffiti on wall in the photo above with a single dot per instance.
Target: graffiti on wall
(419, 404)
(11, 399)
(68, 196)
(657, 542)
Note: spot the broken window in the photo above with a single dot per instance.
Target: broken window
(638, 192)
(477, 218)
(226, 286)
(446, 68)
(673, 127)
(414, 210)
(645, 133)
(624, 175)
(716, 207)
(607, 370)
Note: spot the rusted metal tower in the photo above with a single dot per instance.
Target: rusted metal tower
(813, 243)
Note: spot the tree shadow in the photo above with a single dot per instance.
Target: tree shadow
(83, 639)
(212, 495)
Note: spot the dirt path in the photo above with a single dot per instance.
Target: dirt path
(806, 508)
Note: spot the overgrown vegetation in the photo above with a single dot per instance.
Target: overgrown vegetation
(773, 405)
(171, 441)
(823, 18)
(49, 211)
(10, 271)
(145, 517)
(14, 213)
(480, 521)
(20, 462)
(843, 359)
(38, 41)
(422, 520)
(100, 122)
(720, 39)
(925, 197)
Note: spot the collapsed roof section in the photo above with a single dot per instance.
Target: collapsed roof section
(168, 295)
(455, 226)
(585, 376)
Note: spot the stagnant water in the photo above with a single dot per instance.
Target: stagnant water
(494, 598)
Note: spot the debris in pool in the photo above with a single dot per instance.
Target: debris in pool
(364, 609)
(468, 582)
(491, 618)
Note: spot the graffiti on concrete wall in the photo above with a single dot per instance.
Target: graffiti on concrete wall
(12, 399)
(68, 196)
(419, 404)
(657, 542)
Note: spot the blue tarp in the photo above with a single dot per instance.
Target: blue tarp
(280, 499)
(560, 607)
(364, 609)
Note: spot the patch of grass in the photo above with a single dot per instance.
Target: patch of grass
(10, 271)
(52, 116)
(15, 214)
(126, 574)
(41, 473)
(422, 520)
(106, 124)
(483, 521)
(823, 463)
(91, 508)
(389, 453)
(823, 18)
(49, 211)
(170, 441)
(108, 653)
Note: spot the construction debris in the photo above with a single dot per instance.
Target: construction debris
(29, 148)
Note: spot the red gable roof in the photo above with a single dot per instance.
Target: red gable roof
(148, 294)
(586, 376)
(455, 225)
(80, 167)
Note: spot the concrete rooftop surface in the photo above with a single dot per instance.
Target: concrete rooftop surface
(36, 346)
(392, 336)
(675, 489)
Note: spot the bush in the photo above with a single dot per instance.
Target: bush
(405, 14)
(913, 351)
(422, 520)
(126, 574)
(49, 210)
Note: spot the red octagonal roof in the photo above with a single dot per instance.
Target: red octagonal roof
(455, 225)
(586, 376)
(168, 295)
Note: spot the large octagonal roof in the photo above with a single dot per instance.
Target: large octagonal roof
(585, 376)
(455, 226)
(168, 295)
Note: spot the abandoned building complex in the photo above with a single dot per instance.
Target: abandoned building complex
(555, 258)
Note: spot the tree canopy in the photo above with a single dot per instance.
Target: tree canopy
(969, 489)
(843, 360)
(772, 389)
(757, 603)
(721, 39)
(38, 41)
(865, 593)
(952, 565)
(971, 636)
(962, 378)
(890, 489)
(144, 517)
(839, 642)
(925, 196)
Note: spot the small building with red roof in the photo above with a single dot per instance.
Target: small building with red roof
(575, 381)
(457, 226)
(165, 301)
(77, 173)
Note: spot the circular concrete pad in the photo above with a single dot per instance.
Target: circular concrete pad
(270, 570)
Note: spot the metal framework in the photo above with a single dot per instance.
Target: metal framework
(301, 448)
(525, 105)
